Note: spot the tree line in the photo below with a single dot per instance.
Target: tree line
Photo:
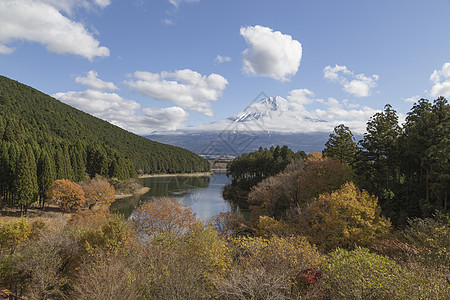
(248, 169)
(407, 167)
(28, 170)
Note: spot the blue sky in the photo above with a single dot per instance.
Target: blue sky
(169, 64)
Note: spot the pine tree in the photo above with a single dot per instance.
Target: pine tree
(341, 145)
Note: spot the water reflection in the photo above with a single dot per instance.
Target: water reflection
(202, 194)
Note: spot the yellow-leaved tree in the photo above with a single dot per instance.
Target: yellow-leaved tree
(345, 218)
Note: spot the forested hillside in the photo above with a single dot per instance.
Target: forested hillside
(41, 135)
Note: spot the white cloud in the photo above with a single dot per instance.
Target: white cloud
(186, 88)
(170, 118)
(441, 81)
(41, 21)
(5, 50)
(293, 116)
(341, 112)
(332, 110)
(92, 81)
(358, 85)
(168, 21)
(271, 53)
(413, 99)
(124, 113)
(101, 104)
(127, 114)
(68, 5)
(298, 98)
(176, 3)
(221, 59)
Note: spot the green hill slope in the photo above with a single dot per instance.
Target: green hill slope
(77, 142)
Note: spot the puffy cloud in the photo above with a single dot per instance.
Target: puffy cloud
(298, 98)
(41, 21)
(92, 81)
(441, 81)
(124, 113)
(186, 88)
(358, 85)
(221, 59)
(342, 112)
(127, 114)
(271, 53)
(332, 110)
(170, 118)
(100, 104)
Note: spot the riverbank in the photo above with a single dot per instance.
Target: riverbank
(177, 174)
(138, 192)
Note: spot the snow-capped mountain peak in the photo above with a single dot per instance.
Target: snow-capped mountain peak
(262, 108)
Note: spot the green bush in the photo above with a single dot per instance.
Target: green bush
(112, 236)
(431, 236)
(359, 274)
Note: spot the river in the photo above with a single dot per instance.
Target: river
(202, 193)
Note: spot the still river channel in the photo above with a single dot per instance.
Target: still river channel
(203, 194)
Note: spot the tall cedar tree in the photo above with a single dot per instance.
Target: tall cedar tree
(25, 182)
(46, 176)
(378, 158)
(341, 145)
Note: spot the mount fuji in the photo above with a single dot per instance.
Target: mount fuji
(268, 122)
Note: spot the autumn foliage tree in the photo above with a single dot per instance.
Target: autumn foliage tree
(68, 194)
(163, 217)
(98, 191)
(345, 218)
(298, 185)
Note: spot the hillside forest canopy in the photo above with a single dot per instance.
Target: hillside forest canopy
(42, 140)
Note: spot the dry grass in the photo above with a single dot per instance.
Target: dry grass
(50, 212)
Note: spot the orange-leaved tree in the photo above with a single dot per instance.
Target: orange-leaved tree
(164, 217)
(345, 218)
(98, 191)
(68, 194)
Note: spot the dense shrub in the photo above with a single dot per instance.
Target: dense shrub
(359, 274)
(432, 238)
(345, 218)
(228, 224)
(268, 268)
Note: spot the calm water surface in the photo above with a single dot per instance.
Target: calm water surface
(203, 194)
